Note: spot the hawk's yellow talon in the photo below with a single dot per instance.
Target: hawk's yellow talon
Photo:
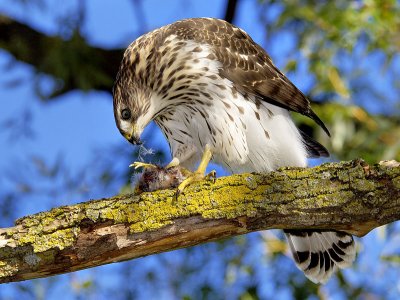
(173, 163)
(139, 164)
(198, 175)
(211, 176)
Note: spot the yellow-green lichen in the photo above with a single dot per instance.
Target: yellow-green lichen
(396, 182)
(362, 185)
(231, 212)
(41, 242)
(154, 211)
(227, 200)
(8, 267)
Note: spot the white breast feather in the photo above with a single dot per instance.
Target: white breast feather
(241, 145)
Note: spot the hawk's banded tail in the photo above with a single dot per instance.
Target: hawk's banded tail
(319, 253)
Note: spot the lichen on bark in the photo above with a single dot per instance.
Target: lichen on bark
(348, 196)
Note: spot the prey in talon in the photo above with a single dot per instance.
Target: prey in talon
(156, 177)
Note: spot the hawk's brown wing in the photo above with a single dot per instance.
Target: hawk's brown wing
(246, 64)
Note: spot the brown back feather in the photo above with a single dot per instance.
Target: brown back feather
(256, 75)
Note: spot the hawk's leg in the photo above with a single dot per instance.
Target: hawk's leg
(199, 174)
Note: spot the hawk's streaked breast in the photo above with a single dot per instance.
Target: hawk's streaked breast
(214, 82)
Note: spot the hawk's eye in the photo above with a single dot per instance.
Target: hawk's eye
(126, 114)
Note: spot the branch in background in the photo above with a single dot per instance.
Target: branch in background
(230, 10)
(74, 62)
(140, 16)
(348, 196)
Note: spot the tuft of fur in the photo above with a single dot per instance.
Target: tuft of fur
(160, 178)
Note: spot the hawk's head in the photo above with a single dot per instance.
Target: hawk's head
(133, 108)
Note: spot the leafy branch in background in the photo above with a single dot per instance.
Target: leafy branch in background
(73, 63)
(328, 32)
(334, 39)
(357, 133)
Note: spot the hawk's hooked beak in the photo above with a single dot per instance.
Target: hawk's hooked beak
(134, 136)
(135, 140)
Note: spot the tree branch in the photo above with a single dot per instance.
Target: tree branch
(74, 62)
(347, 196)
(230, 10)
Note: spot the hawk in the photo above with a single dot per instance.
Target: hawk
(216, 95)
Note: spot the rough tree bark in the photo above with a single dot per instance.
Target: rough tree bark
(348, 196)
